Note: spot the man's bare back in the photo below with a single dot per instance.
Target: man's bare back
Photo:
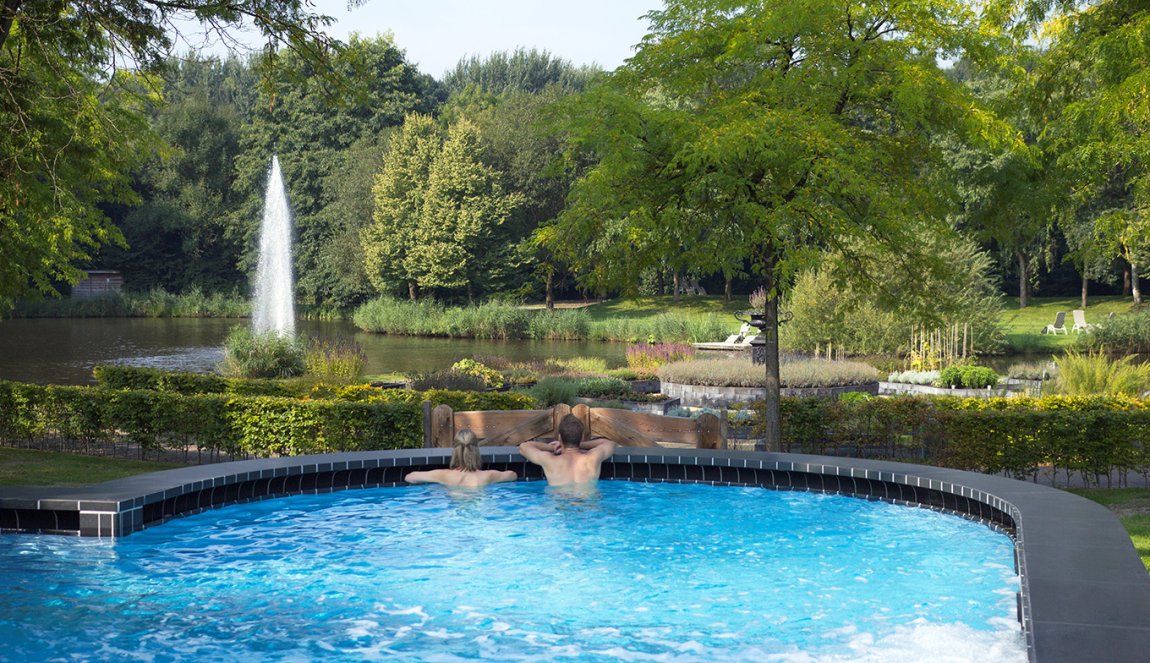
(568, 465)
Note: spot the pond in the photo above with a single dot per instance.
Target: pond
(63, 351)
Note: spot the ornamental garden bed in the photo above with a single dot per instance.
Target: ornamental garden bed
(696, 395)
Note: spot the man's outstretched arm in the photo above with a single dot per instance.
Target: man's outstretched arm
(538, 452)
(601, 447)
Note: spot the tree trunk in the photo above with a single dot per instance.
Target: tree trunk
(727, 288)
(1135, 287)
(675, 285)
(1023, 281)
(660, 285)
(1085, 281)
(1126, 280)
(412, 293)
(550, 296)
(7, 17)
(772, 420)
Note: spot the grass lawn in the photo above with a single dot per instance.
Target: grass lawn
(29, 467)
(690, 306)
(1023, 327)
(1133, 508)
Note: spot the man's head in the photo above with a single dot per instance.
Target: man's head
(570, 431)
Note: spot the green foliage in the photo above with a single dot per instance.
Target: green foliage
(555, 390)
(335, 361)
(451, 380)
(603, 387)
(492, 379)
(495, 320)
(1098, 373)
(267, 355)
(139, 377)
(798, 373)
(523, 70)
(830, 311)
(664, 327)
(155, 303)
(1012, 435)
(1129, 333)
(344, 419)
(967, 376)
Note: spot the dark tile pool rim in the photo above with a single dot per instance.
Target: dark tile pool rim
(1085, 595)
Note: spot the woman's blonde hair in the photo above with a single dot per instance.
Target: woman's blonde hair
(465, 452)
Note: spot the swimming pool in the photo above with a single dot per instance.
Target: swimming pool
(675, 572)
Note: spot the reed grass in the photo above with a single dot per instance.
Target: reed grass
(338, 362)
(1095, 372)
(155, 303)
(268, 355)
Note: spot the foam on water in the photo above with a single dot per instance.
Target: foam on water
(642, 572)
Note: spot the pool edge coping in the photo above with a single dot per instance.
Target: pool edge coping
(1084, 592)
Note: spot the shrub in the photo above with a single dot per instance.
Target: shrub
(266, 355)
(650, 357)
(492, 379)
(553, 390)
(914, 377)
(1128, 334)
(578, 365)
(139, 377)
(335, 361)
(603, 387)
(966, 376)
(1097, 373)
(742, 373)
(450, 379)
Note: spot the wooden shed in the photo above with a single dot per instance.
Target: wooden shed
(98, 283)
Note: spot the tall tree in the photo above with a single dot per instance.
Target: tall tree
(1093, 84)
(181, 235)
(463, 206)
(310, 124)
(399, 192)
(806, 125)
(73, 123)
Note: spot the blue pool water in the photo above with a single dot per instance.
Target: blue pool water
(639, 572)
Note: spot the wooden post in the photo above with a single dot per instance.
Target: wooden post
(427, 441)
(712, 432)
(559, 411)
(442, 426)
(583, 412)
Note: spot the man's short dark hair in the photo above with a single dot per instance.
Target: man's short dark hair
(570, 431)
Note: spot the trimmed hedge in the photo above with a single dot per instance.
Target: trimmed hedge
(1016, 436)
(138, 377)
(154, 420)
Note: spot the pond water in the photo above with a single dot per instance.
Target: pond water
(63, 351)
(639, 572)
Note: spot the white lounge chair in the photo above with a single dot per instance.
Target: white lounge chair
(1058, 326)
(1080, 324)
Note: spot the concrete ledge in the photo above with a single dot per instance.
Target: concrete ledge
(1085, 595)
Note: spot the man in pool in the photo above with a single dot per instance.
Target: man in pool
(465, 469)
(569, 461)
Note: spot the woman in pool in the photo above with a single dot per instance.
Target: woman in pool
(466, 467)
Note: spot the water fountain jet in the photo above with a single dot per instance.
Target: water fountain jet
(273, 307)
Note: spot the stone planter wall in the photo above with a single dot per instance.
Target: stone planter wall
(694, 395)
(657, 407)
(903, 389)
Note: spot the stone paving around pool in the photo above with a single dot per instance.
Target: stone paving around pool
(1085, 595)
